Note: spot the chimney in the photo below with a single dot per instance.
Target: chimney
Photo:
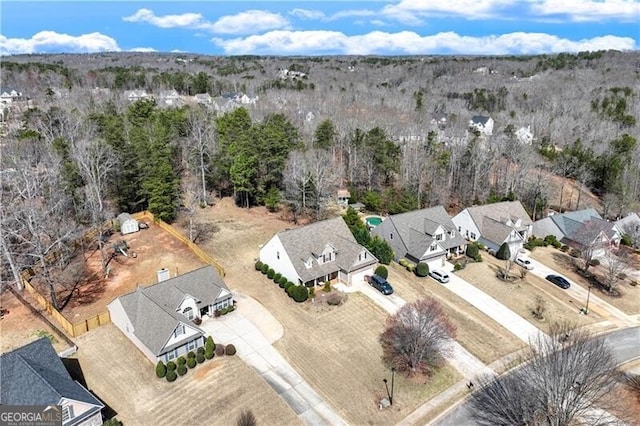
(163, 275)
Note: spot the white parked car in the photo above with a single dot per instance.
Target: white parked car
(524, 262)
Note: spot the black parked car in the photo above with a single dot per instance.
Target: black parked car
(380, 284)
(559, 281)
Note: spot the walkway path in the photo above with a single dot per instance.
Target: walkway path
(253, 345)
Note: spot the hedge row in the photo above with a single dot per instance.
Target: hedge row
(299, 293)
(172, 369)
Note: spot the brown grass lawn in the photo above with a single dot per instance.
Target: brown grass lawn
(519, 295)
(628, 302)
(335, 349)
(215, 392)
(476, 332)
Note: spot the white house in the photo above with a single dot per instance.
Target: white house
(426, 235)
(630, 225)
(495, 224)
(34, 375)
(7, 96)
(203, 98)
(481, 124)
(169, 97)
(128, 224)
(317, 253)
(524, 135)
(136, 95)
(161, 319)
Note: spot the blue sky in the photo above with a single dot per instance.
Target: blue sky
(400, 27)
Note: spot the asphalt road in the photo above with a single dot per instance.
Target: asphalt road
(625, 344)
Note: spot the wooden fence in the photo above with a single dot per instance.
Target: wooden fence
(75, 330)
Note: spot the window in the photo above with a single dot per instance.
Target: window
(438, 237)
(67, 413)
(191, 345)
(453, 233)
(188, 312)
(278, 255)
(433, 247)
(171, 355)
(179, 330)
(391, 236)
(360, 256)
(473, 235)
(459, 228)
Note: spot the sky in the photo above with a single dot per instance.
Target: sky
(392, 27)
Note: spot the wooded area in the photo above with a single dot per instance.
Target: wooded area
(77, 151)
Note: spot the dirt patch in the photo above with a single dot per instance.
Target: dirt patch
(20, 326)
(628, 299)
(84, 291)
(215, 392)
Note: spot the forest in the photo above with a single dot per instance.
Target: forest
(76, 151)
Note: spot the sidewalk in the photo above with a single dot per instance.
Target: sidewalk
(253, 346)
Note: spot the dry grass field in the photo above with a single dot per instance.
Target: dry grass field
(628, 302)
(476, 332)
(519, 295)
(336, 350)
(215, 392)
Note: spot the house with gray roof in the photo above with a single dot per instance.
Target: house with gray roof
(481, 124)
(495, 224)
(161, 319)
(317, 253)
(630, 225)
(562, 224)
(427, 235)
(34, 375)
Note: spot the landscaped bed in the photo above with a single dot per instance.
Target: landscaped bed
(519, 295)
(628, 302)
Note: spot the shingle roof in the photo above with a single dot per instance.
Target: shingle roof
(479, 119)
(152, 310)
(568, 222)
(495, 231)
(35, 375)
(310, 240)
(417, 228)
(588, 231)
(501, 212)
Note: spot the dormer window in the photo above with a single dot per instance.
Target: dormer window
(391, 236)
(179, 330)
(453, 233)
(277, 255)
(438, 237)
(433, 247)
(67, 413)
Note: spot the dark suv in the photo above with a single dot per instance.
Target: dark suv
(380, 284)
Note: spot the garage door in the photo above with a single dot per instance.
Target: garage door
(358, 275)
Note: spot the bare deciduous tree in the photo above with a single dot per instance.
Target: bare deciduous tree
(570, 375)
(615, 263)
(246, 418)
(201, 145)
(415, 337)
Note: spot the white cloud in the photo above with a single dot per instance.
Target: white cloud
(248, 22)
(408, 42)
(51, 41)
(143, 49)
(185, 20)
(412, 12)
(589, 10)
(307, 14)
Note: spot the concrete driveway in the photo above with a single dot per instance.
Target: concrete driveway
(255, 349)
(579, 295)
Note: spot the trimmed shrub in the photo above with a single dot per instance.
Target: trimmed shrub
(171, 366)
(553, 241)
(300, 293)
(200, 350)
(327, 287)
(504, 252)
(336, 298)
(575, 253)
(282, 282)
(626, 240)
(258, 266)
(264, 268)
(191, 354)
(182, 369)
(231, 349)
(472, 250)
(219, 349)
(622, 276)
(411, 268)
(403, 262)
(287, 285)
(382, 271)
(209, 354)
(478, 258)
(633, 283)
(422, 270)
(564, 248)
(594, 262)
(161, 370)
(276, 277)
(480, 246)
(209, 344)
(191, 362)
(312, 293)
(171, 376)
(457, 266)
(181, 361)
(200, 358)
(271, 273)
